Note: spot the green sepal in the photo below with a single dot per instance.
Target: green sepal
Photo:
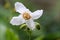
(37, 25)
(23, 26)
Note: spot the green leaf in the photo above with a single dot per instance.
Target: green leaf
(10, 35)
(7, 33)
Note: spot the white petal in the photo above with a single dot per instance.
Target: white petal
(37, 14)
(17, 20)
(30, 24)
(20, 7)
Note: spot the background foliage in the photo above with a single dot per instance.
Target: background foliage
(50, 20)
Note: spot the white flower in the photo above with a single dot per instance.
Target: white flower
(26, 16)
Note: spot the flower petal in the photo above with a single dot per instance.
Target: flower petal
(20, 7)
(17, 20)
(30, 24)
(37, 14)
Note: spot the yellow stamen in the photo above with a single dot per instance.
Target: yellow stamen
(26, 16)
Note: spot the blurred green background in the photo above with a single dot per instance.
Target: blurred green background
(49, 21)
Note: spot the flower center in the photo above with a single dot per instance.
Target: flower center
(26, 16)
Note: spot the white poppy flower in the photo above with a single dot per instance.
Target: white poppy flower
(26, 16)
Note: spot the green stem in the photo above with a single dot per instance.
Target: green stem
(30, 36)
(29, 33)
